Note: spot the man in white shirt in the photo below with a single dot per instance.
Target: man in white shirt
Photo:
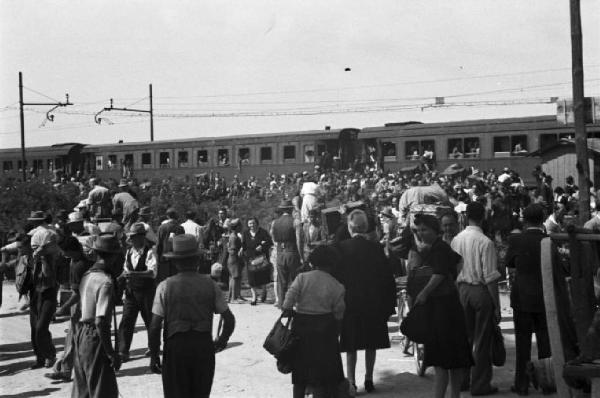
(193, 228)
(138, 274)
(478, 289)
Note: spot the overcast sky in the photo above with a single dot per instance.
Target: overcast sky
(231, 58)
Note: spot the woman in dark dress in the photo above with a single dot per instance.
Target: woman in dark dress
(448, 349)
(370, 298)
(256, 243)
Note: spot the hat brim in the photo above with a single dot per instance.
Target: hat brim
(190, 254)
(115, 251)
(130, 234)
(35, 219)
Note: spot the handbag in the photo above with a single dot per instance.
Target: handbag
(280, 341)
(259, 263)
(498, 349)
(417, 324)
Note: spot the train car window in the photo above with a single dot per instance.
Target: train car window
(99, 162)
(389, 151)
(182, 159)
(471, 147)
(111, 163)
(20, 165)
(566, 136)
(289, 152)
(146, 160)
(428, 149)
(244, 155)
(519, 145)
(58, 163)
(38, 164)
(164, 160)
(412, 150)
(309, 154)
(7, 165)
(502, 147)
(50, 164)
(547, 140)
(202, 157)
(223, 157)
(455, 148)
(266, 154)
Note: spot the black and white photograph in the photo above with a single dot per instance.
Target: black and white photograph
(325, 199)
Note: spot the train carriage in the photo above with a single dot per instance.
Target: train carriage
(484, 144)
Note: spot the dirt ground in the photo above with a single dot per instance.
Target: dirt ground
(244, 369)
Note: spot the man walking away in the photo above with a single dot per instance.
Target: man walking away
(286, 234)
(527, 296)
(478, 290)
(186, 302)
(95, 359)
(79, 265)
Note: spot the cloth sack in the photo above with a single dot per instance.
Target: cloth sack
(498, 349)
(259, 263)
(417, 324)
(23, 276)
(280, 341)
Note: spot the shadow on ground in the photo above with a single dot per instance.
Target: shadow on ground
(40, 393)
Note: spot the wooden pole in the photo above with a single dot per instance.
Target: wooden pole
(581, 151)
(22, 118)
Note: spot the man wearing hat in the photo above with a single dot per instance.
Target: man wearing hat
(287, 234)
(75, 225)
(42, 297)
(125, 205)
(95, 359)
(169, 228)
(145, 217)
(186, 303)
(98, 199)
(138, 275)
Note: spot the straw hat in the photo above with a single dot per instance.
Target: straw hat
(107, 244)
(184, 246)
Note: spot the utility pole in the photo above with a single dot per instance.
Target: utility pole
(581, 149)
(22, 117)
(112, 108)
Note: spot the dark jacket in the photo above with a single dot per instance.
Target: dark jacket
(249, 244)
(524, 256)
(365, 273)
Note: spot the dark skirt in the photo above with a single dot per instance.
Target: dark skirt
(317, 360)
(364, 332)
(449, 348)
(259, 278)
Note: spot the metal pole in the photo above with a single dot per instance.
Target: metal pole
(583, 169)
(22, 116)
(151, 117)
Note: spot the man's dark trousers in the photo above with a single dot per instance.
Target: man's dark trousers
(188, 365)
(93, 375)
(479, 313)
(42, 307)
(288, 264)
(136, 301)
(527, 323)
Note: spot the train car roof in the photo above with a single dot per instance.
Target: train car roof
(46, 151)
(512, 125)
(225, 140)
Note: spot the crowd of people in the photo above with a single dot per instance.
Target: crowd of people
(332, 248)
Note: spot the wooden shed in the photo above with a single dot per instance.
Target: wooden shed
(559, 160)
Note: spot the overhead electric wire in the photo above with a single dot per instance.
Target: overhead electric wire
(42, 94)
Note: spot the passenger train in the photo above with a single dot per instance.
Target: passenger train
(485, 144)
